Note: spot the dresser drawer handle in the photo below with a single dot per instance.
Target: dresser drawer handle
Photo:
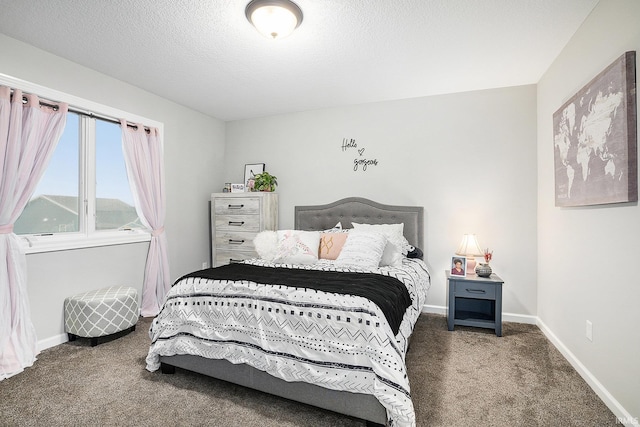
(236, 223)
(236, 206)
(236, 242)
(476, 291)
(234, 261)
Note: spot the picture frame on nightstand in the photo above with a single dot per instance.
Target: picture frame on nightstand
(459, 266)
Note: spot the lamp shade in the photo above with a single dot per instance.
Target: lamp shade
(469, 246)
(275, 19)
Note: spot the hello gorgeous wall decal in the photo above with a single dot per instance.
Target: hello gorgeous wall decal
(359, 162)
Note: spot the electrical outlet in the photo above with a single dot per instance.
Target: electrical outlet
(589, 331)
(205, 265)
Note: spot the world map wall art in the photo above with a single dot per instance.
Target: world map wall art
(595, 141)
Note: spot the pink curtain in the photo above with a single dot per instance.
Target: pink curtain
(145, 169)
(28, 136)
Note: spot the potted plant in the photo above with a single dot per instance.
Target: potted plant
(265, 182)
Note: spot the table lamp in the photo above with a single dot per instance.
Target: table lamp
(470, 248)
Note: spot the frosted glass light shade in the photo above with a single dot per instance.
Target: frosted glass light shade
(275, 19)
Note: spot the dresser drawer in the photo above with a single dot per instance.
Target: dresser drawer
(237, 206)
(228, 257)
(237, 223)
(235, 240)
(475, 290)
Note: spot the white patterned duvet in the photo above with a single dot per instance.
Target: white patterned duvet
(340, 342)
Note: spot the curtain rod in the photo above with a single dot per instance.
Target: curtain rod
(99, 116)
(86, 113)
(89, 114)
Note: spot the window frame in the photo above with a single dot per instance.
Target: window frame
(38, 243)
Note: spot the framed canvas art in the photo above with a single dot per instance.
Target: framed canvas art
(595, 141)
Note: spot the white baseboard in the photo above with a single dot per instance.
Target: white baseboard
(520, 318)
(51, 342)
(506, 317)
(434, 309)
(58, 339)
(623, 417)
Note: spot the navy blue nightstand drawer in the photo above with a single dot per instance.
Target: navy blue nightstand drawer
(475, 290)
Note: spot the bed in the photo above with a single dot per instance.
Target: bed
(375, 390)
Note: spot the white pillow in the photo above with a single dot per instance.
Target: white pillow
(266, 244)
(362, 249)
(297, 247)
(397, 246)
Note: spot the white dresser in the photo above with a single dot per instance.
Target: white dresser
(236, 218)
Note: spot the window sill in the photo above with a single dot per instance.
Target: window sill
(58, 242)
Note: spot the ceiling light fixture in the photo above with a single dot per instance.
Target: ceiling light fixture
(275, 19)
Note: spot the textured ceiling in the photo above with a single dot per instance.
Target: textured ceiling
(205, 54)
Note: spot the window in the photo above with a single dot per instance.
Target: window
(64, 200)
(115, 208)
(83, 199)
(56, 202)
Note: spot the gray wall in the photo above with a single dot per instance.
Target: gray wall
(468, 158)
(587, 256)
(193, 149)
(478, 162)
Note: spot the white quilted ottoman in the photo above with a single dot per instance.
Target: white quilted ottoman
(101, 312)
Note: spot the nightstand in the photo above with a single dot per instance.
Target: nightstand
(475, 301)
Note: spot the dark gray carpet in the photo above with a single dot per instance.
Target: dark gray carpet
(461, 378)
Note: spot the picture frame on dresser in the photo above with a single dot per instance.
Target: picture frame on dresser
(251, 170)
(237, 188)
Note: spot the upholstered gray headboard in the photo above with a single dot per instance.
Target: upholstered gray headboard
(360, 210)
